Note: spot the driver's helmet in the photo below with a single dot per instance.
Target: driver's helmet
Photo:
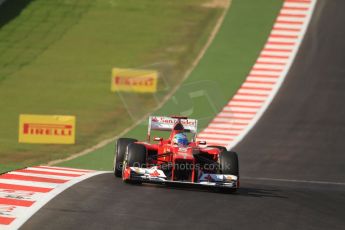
(180, 139)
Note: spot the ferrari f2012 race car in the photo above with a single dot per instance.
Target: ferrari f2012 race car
(178, 159)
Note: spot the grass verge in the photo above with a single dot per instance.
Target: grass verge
(216, 78)
(56, 58)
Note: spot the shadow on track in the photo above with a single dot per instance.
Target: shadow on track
(243, 191)
(259, 192)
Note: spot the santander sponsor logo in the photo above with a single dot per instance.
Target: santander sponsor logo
(47, 129)
(134, 81)
(154, 119)
(167, 120)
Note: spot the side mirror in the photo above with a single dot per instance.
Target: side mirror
(157, 139)
(202, 142)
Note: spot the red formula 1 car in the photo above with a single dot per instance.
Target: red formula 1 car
(175, 160)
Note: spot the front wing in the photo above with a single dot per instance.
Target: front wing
(157, 176)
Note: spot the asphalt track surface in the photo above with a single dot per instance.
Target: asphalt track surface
(292, 162)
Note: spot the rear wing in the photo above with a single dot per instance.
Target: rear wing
(168, 123)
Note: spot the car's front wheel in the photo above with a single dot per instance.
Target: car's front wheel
(228, 164)
(121, 147)
(136, 156)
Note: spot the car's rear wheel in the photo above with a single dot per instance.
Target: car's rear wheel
(121, 147)
(136, 156)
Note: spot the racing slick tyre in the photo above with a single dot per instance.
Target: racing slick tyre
(228, 164)
(120, 152)
(135, 157)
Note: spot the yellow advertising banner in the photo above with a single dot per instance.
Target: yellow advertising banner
(134, 80)
(45, 129)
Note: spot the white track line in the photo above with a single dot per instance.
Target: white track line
(294, 181)
(28, 183)
(42, 175)
(55, 171)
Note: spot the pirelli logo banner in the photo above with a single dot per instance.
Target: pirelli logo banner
(47, 129)
(134, 80)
